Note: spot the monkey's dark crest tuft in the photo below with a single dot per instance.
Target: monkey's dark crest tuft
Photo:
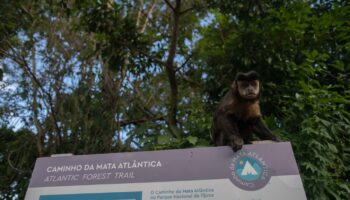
(249, 76)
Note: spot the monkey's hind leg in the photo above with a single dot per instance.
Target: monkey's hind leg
(228, 133)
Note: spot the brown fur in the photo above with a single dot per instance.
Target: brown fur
(241, 109)
(237, 118)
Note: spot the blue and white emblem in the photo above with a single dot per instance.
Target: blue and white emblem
(249, 171)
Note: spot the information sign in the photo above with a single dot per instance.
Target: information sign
(258, 171)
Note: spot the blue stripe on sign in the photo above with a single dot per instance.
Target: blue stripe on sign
(95, 196)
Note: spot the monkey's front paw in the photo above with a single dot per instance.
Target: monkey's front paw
(235, 148)
(236, 143)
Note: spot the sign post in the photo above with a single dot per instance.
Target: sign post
(258, 171)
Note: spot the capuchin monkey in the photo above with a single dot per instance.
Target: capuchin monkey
(238, 115)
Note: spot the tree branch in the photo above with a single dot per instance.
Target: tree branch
(138, 19)
(20, 59)
(140, 121)
(183, 64)
(147, 16)
(187, 10)
(170, 5)
(189, 80)
(171, 71)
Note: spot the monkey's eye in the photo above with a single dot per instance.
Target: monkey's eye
(244, 84)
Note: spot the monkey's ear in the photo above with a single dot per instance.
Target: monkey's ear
(234, 85)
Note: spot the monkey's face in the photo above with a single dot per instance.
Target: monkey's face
(248, 89)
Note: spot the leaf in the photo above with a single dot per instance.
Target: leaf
(304, 86)
(333, 193)
(333, 148)
(192, 140)
(345, 187)
(339, 65)
(163, 139)
(310, 166)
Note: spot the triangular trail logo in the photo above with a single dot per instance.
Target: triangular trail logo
(248, 169)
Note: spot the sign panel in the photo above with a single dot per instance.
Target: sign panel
(259, 171)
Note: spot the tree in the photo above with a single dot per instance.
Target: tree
(304, 43)
(17, 157)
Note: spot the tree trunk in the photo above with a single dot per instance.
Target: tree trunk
(40, 135)
(171, 69)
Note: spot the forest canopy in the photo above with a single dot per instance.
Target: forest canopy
(103, 76)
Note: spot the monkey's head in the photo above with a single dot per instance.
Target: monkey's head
(247, 85)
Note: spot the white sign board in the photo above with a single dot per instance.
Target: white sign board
(259, 172)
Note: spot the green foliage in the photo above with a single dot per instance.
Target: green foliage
(301, 51)
(321, 140)
(17, 156)
(116, 34)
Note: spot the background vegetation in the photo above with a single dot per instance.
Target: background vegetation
(127, 75)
